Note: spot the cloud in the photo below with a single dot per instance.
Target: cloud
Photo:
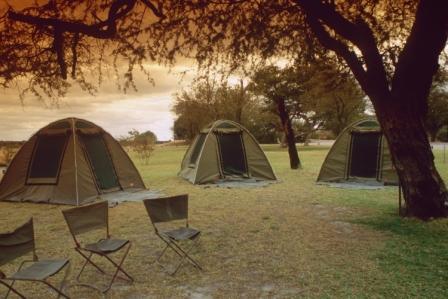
(148, 108)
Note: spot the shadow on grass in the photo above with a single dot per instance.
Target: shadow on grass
(414, 258)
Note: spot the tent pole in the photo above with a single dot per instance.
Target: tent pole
(76, 162)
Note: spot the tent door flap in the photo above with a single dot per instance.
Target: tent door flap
(365, 155)
(232, 154)
(101, 162)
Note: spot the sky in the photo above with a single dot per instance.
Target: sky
(116, 112)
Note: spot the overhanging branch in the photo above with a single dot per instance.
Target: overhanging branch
(358, 33)
(339, 48)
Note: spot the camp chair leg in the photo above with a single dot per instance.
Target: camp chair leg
(161, 254)
(88, 260)
(62, 285)
(82, 268)
(60, 293)
(195, 243)
(11, 289)
(180, 252)
(186, 256)
(119, 268)
(181, 261)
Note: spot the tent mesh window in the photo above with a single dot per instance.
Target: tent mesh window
(100, 160)
(232, 154)
(226, 126)
(365, 154)
(60, 125)
(197, 149)
(368, 124)
(47, 159)
(84, 125)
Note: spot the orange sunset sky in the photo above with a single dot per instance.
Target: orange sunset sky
(115, 111)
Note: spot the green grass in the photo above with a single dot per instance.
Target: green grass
(411, 256)
(288, 240)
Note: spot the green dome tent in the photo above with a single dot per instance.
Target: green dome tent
(225, 150)
(360, 154)
(70, 161)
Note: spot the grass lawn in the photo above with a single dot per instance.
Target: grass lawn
(294, 239)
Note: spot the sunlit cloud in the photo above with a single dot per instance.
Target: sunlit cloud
(148, 108)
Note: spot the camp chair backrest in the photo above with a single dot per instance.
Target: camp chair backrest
(167, 208)
(17, 243)
(87, 218)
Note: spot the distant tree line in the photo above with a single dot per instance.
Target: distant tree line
(315, 97)
(283, 105)
(288, 105)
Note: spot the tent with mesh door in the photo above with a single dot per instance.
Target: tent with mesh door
(225, 150)
(360, 154)
(70, 161)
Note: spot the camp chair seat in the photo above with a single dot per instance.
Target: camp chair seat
(21, 242)
(40, 270)
(182, 233)
(106, 246)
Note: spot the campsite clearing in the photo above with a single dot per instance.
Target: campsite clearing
(291, 239)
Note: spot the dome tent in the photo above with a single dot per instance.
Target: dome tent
(360, 154)
(70, 161)
(225, 150)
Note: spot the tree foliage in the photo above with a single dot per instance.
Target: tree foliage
(211, 99)
(334, 96)
(437, 116)
(317, 95)
(142, 144)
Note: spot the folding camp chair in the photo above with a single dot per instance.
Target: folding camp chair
(19, 243)
(88, 219)
(170, 209)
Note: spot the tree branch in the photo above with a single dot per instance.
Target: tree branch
(101, 30)
(418, 62)
(75, 42)
(340, 48)
(359, 33)
(157, 11)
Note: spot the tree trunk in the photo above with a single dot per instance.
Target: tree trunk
(240, 104)
(294, 160)
(425, 193)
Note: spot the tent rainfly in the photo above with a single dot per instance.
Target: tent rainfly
(225, 150)
(360, 154)
(70, 161)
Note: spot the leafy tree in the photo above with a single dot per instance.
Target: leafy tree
(437, 116)
(143, 144)
(207, 100)
(391, 47)
(281, 92)
(192, 114)
(443, 134)
(314, 95)
(262, 123)
(338, 100)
